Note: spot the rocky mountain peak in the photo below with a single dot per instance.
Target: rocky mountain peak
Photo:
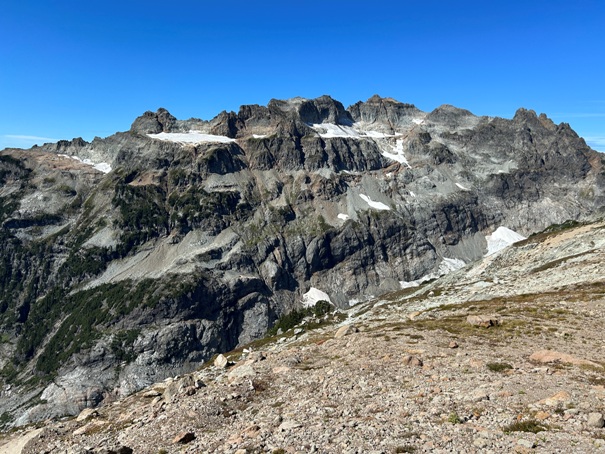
(154, 122)
(324, 110)
(385, 113)
(451, 116)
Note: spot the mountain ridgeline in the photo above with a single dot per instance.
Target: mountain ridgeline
(139, 256)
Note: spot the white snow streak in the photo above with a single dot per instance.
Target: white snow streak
(462, 187)
(190, 137)
(500, 239)
(343, 216)
(313, 296)
(100, 166)
(398, 153)
(373, 204)
(331, 130)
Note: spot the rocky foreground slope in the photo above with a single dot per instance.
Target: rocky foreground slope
(501, 356)
(141, 255)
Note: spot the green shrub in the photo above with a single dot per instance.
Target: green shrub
(453, 418)
(499, 367)
(293, 318)
(529, 425)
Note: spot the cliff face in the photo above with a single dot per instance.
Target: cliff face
(178, 239)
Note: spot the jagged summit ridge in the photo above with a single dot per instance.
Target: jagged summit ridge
(384, 113)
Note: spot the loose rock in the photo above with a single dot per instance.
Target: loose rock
(595, 420)
(184, 437)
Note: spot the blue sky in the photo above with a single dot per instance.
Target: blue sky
(88, 68)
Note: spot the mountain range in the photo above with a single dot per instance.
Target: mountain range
(140, 256)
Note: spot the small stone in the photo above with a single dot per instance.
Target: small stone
(410, 360)
(480, 442)
(184, 437)
(526, 443)
(413, 315)
(477, 395)
(241, 451)
(453, 344)
(345, 331)
(297, 331)
(221, 361)
(595, 420)
(288, 425)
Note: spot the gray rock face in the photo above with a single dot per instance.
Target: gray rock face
(193, 244)
(153, 123)
(385, 112)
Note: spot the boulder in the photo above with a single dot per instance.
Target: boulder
(345, 331)
(414, 361)
(595, 420)
(183, 437)
(484, 321)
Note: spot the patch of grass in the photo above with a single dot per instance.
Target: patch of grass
(499, 367)
(405, 448)
(529, 425)
(597, 381)
(454, 418)
(549, 231)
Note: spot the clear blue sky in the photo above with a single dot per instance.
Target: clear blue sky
(88, 68)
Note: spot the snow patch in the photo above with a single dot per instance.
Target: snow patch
(100, 166)
(398, 153)
(373, 204)
(259, 136)
(462, 187)
(313, 296)
(445, 267)
(190, 137)
(448, 265)
(412, 194)
(500, 239)
(343, 216)
(331, 130)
